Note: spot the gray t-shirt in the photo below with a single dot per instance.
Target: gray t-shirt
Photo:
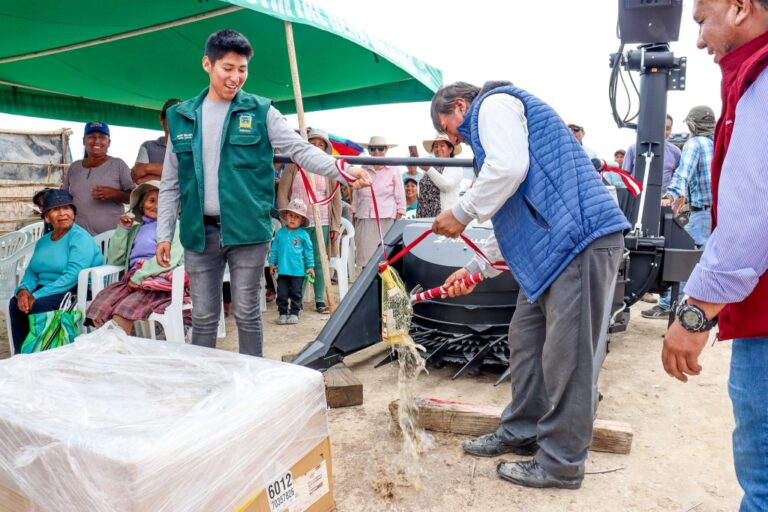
(214, 113)
(151, 151)
(97, 216)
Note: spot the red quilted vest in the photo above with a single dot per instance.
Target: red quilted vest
(740, 67)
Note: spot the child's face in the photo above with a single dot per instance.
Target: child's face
(293, 220)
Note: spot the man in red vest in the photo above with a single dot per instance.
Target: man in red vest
(729, 286)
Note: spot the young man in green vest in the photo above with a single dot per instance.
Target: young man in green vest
(218, 172)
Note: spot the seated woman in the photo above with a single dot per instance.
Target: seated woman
(59, 257)
(133, 245)
(439, 188)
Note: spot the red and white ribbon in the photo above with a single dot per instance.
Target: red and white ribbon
(310, 191)
(634, 186)
(341, 166)
(439, 291)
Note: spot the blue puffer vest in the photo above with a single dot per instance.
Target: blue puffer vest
(561, 206)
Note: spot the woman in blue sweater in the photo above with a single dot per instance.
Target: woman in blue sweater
(59, 257)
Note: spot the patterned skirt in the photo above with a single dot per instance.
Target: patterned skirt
(117, 299)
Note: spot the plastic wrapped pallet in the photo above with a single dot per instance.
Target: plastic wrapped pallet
(112, 423)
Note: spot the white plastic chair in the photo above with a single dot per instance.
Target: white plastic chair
(341, 263)
(352, 250)
(10, 243)
(35, 231)
(102, 240)
(275, 226)
(7, 313)
(11, 272)
(97, 278)
(172, 319)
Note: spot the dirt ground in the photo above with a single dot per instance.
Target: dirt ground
(680, 461)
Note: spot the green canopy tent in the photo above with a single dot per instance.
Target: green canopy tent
(119, 61)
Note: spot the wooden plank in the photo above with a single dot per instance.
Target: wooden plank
(476, 420)
(342, 389)
(611, 437)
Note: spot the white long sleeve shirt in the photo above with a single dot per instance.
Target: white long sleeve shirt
(449, 183)
(503, 132)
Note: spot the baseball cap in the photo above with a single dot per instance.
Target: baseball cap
(96, 127)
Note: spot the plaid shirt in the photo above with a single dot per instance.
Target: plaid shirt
(692, 177)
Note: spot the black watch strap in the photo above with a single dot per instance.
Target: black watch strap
(693, 318)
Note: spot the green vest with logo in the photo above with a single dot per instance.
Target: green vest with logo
(246, 172)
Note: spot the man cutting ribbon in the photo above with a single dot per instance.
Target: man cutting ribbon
(560, 232)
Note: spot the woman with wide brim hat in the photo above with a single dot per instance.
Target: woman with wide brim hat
(145, 285)
(292, 187)
(390, 197)
(440, 186)
(58, 258)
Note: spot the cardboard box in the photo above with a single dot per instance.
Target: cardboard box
(118, 424)
(305, 486)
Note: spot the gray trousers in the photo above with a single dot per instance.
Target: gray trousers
(552, 343)
(206, 271)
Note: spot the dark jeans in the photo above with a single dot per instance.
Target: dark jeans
(206, 272)
(20, 320)
(289, 288)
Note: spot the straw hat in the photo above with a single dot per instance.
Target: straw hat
(378, 140)
(441, 136)
(317, 133)
(138, 193)
(298, 207)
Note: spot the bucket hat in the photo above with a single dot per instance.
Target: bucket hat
(298, 207)
(317, 133)
(138, 193)
(57, 197)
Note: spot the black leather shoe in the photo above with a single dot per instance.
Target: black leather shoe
(490, 445)
(528, 473)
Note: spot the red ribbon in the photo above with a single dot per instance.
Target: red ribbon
(498, 265)
(634, 186)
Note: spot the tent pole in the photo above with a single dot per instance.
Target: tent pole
(329, 299)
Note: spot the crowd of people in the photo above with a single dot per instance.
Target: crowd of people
(555, 225)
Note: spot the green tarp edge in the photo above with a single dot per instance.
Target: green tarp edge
(69, 108)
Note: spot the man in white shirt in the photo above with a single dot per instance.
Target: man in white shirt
(560, 233)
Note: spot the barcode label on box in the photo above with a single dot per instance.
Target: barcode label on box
(288, 494)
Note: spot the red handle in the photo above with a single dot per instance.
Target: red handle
(438, 291)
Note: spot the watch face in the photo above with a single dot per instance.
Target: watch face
(691, 318)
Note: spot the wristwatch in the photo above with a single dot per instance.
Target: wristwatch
(693, 319)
